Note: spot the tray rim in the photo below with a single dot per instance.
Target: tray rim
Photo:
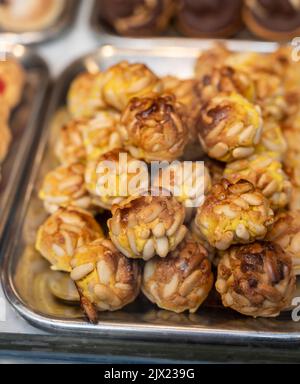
(30, 127)
(60, 26)
(128, 330)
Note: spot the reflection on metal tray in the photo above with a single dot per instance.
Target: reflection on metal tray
(62, 24)
(24, 123)
(41, 296)
(106, 32)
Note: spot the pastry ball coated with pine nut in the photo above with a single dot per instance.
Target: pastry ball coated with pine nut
(209, 59)
(272, 140)
(286, 233)
(229, 127)
(256, 279)
(63, 232)
(266, 174)
(100, 134)
(181, 281)
(188, 182)
(234, 214)
(65, 186)
(109, 192)
(85, 95)
(106, 279)
(226, 80)
(147, 226)
(152, 128)
(124, 81)
(69, 148)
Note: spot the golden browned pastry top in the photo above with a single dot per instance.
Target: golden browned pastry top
(152, 128)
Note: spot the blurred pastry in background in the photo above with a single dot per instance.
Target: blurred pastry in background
(29, 15)
(181, 281)
(209, 18)
(273, 19)
(257, 279)
(12, 80)
(137, 17)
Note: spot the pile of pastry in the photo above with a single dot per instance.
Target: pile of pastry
(11, 87)
(29, 15)
(267, 19)
(240, 113)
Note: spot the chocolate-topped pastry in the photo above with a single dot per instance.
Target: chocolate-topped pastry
(273, 19)
(137, 17)
(209, 18)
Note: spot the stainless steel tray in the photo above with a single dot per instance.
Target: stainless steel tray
(24, 125)
(106, 32)
(25, 274)
(62, 24)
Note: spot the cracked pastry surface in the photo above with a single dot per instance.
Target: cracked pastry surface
(109, 192)
(181, 281)
(233, 214)
(146, 226)
(64, 231)
(65, 186)
(106, 279)
(229, 127)
(256, 280)
(152, 128)
(85, 96)
(124, 81)
(266, 174)
(286, 233)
